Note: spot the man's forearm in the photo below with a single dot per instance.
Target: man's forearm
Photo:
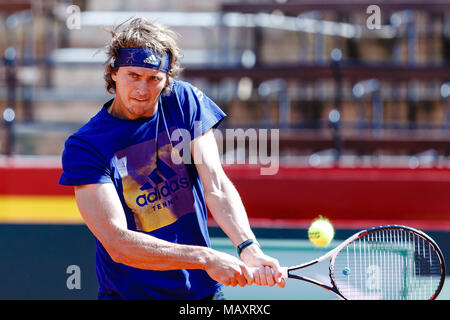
(146, 252)
(143, 251)
(228, 211)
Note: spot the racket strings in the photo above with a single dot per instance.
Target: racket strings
(388, 264)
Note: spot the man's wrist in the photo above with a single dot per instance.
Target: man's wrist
(207, 257)
(245, 245)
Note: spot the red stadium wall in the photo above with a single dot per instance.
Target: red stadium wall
(294, 195)
(32, 181)
(347, 195)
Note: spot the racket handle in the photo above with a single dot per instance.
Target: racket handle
(284, 271)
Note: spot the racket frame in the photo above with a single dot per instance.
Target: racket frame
(332, 254)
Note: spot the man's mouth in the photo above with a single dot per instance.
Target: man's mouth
(140, 100)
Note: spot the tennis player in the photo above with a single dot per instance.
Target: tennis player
(146, 209)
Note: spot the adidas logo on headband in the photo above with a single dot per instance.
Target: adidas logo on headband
(151, 60)
(143, 57)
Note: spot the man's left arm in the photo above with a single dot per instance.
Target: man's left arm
(228, 211)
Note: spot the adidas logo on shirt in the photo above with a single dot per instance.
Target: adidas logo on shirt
(165, 183)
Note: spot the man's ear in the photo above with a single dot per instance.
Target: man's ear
(167, 84)
(114, 75)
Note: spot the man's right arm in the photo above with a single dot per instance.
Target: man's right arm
(102, 211)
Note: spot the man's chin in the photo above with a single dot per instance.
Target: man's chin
(142, 109)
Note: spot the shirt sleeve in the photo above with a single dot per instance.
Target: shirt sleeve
(83, 164)
(203, 113)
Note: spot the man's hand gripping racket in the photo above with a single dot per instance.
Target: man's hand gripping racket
(382, 263)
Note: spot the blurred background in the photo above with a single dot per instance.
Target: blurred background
(359, 93)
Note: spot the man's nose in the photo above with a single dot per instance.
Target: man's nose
(142, 89)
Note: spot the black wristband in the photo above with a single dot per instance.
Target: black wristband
(245, 244)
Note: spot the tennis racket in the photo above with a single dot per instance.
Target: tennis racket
(382, 263)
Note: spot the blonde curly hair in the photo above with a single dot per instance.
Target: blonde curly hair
(140, 32)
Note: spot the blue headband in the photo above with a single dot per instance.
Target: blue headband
(142, 57)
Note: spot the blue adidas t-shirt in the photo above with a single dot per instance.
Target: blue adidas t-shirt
(162, 194)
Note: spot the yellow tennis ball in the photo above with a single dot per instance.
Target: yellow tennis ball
(321, 232)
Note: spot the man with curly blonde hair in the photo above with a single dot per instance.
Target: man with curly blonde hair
(146, 209)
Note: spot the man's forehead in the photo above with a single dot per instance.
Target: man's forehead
(142, 70)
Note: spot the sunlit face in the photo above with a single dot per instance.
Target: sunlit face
(137, 91)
